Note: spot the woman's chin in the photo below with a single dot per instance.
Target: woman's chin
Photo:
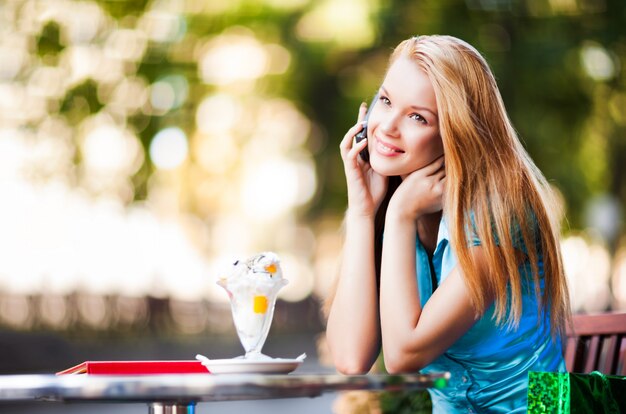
(385, 168)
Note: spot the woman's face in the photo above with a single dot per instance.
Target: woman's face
(403, 127)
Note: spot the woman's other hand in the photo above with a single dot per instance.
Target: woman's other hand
(421, 192)
(366, 188)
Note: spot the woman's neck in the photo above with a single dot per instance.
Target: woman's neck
(427, 231)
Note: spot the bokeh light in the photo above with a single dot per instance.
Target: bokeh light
(218, 113)
(344, 22)
(270, 188)
(598, 62)
(587, 266)
(168, 148)
(618, 279)
(162, 26)
(233, 57)
(109, 149)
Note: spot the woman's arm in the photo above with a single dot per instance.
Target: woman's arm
(413, 337)
(353, 329)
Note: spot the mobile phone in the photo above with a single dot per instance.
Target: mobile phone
(362, 134)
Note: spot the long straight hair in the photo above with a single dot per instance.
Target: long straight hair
(493, 191)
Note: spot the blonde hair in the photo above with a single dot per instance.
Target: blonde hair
(494, 191)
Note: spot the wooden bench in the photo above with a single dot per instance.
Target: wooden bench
(598, 343)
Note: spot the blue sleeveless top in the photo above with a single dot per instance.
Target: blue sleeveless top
(489, 364)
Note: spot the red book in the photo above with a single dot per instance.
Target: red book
(136, 368)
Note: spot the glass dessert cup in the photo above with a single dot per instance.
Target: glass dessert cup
(252, 308)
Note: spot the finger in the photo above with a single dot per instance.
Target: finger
(440, 161)
(362, 112)
(443, 163)
(438, 164)
(360, 120)
(347, 141)
(357, 148)
(440, 173)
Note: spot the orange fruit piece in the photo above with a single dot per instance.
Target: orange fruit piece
(260, 304)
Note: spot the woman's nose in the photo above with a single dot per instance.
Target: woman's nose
(389, 125)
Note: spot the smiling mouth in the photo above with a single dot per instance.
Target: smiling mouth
(387, 149)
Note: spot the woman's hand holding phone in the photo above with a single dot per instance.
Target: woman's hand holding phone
(366, 188)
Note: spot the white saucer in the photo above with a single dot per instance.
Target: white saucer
(245, 366)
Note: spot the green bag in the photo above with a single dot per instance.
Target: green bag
(564, 393)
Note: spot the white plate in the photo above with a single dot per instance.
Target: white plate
(243, 366)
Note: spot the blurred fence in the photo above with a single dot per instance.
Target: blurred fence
(136, 316)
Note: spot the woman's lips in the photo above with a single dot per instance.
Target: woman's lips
(386, 149)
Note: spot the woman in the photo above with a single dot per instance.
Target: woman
(468, 276)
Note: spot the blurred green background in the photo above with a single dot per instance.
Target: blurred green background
(145, 144)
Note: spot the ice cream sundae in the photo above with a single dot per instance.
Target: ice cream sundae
(252, 286)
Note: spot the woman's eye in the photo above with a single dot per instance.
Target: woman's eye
(385, 100)
(418, 118)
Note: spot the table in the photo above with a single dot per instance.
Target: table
(176, 394)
